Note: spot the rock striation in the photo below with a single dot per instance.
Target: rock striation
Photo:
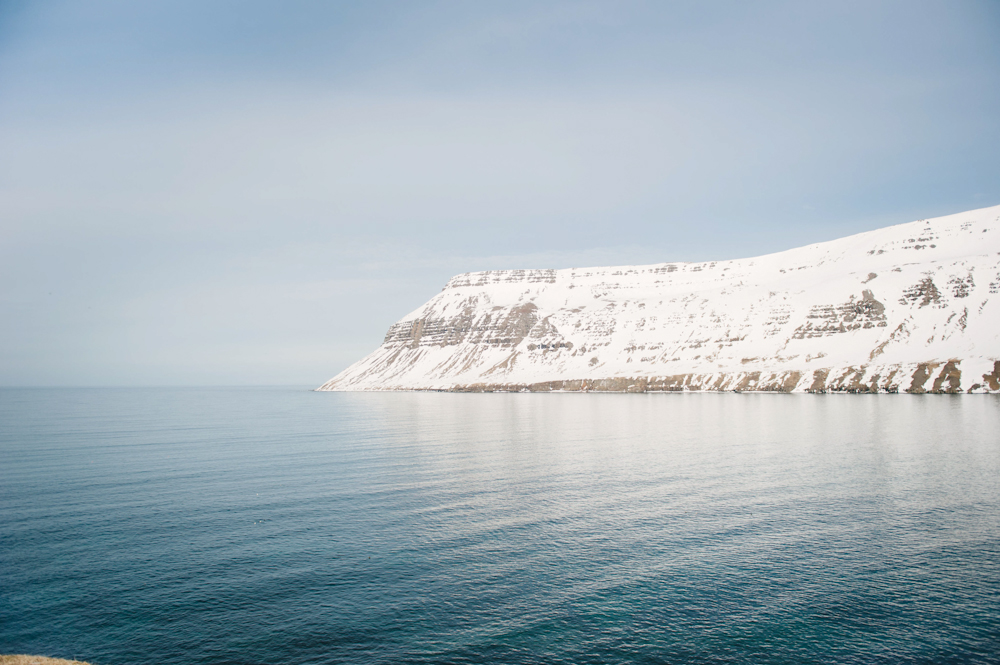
(910, 308)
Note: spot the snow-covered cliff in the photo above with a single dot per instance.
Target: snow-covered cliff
(913, 307)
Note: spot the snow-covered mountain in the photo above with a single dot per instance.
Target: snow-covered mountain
(913, 307)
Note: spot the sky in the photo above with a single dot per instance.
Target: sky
(248, 193)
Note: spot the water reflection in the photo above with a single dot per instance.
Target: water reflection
(289, 526)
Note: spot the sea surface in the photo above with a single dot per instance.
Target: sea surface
(284, 526)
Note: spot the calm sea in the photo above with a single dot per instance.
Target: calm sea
(283, 526)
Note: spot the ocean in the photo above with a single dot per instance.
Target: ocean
(285, 526)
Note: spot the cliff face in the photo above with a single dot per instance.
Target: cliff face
(909, 308)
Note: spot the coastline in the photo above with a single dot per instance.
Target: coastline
(23, 659)
(919, 378)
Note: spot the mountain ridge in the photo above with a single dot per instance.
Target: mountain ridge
(907, 308)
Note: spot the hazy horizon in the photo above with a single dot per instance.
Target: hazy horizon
(250, 194)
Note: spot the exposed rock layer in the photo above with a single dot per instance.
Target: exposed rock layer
(910, 308)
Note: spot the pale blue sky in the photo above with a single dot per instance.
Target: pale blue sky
(247, 192)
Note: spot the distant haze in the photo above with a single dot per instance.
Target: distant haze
(251, 193)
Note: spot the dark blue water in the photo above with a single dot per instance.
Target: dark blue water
(285, 526)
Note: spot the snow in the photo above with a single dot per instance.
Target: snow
(854, 310)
